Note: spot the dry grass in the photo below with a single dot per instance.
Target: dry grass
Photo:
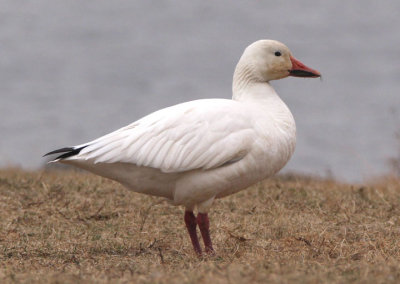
(69, 227)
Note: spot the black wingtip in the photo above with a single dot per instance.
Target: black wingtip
(67, 152)
(62, 150)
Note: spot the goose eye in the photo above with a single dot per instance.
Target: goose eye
(278, 53)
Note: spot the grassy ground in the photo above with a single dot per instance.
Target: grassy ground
(70, 227)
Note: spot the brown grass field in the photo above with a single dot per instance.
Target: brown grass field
(72, 227)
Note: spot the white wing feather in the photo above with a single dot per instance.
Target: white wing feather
(188, 136)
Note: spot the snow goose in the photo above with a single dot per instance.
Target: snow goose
(195, 152)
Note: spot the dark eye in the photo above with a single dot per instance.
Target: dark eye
(278, 53)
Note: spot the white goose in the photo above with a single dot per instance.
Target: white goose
(194, 152)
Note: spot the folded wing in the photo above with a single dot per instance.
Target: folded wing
(193, 135)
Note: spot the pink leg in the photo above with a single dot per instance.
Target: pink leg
(191, 224)
(204, 225)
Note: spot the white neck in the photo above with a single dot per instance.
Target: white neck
(248, 89)
(247, 86)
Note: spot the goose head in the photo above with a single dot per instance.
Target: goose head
(267, 60)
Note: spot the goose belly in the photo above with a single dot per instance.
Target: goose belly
(139, 179)
(199, 186)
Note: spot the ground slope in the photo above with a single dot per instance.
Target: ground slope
(72, 227)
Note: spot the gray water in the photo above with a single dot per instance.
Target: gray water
(71, 71)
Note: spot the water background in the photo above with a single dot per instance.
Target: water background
(71, 71)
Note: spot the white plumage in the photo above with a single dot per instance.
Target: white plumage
(181, 138)
(194, 152)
